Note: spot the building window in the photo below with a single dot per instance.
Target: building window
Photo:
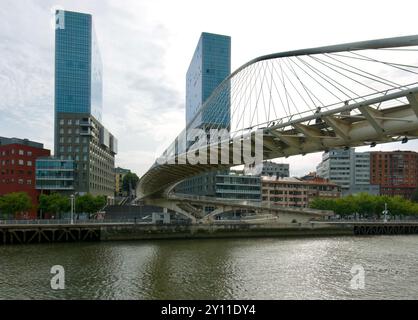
(29, 153)
(69, 122)
(61, 131)
(77, 122)
(62, 122)
(20, 181)
(69, 140)
(29, 182)
(29, 163)
(21, 162)
(77, 140)
(70, 131)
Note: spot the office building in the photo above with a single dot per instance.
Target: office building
(293, 192)
(396, 172)
(120, 173)
(54, 175)
(237, 186)
(348, 169)
(200, 185)
(17, 169)
(210, 65)
(79, 133)
(275, 169)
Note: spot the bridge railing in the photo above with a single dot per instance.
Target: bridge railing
(262, 92)
(68, 221)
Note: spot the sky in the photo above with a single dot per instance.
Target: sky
(146, 48)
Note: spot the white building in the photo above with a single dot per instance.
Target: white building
(349, 169)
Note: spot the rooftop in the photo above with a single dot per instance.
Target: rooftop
(26, 142)
(316, 180)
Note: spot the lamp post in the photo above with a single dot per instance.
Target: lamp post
(385, 212)
(72, 208)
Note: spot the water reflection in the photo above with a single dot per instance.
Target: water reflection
(310, 268)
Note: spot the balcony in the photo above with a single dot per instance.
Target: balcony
(84, 123)
(55, 178)
(88, 132)
(53, 187)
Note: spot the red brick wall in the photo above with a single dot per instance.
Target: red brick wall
(396, 172)
(16, 176)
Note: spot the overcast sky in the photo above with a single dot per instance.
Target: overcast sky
(146, 47)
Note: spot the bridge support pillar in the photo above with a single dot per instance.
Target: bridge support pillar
(167, 204)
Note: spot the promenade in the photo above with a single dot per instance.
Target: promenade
(39, 231)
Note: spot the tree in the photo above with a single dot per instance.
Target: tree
(129, 183)
(89, 204)
(367, 205)
(55, 204)
(415, 196)
(13, 203)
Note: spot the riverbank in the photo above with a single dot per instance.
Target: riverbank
(26, 234)
(114, 233)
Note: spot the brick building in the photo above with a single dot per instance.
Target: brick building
(17, 169)
(395, 171)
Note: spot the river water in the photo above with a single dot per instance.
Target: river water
(268, 268)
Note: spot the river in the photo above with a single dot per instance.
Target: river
(263, 268)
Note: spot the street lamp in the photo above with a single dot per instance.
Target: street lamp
(385, 212)
(72, 208)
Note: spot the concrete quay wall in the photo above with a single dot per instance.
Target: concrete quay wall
(140, 232)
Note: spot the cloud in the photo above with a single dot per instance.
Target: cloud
(146, 47)
(138, 100)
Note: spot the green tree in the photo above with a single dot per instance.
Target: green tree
(129, 183)
(415, 196)
(89, 204)
(13, 203)
(55, 204)
(367, 205)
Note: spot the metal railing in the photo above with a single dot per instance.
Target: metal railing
(76, 222)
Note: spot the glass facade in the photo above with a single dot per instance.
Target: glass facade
(78, 67)
(238, 187)
(54, 174)
(79, 135)
(210, 65)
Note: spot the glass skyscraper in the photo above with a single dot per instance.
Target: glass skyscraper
(78, 67)
(79, 134)
(210, 65)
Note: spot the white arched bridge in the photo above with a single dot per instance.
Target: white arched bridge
(293, 103)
